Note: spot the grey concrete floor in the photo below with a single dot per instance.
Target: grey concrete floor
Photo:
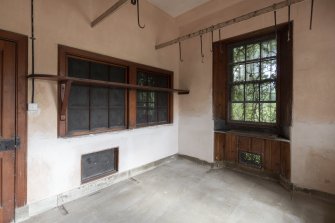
(183, 191)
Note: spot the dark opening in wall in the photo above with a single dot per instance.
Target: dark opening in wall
(99, 164)
(250, 159)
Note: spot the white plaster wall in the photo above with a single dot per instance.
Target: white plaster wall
(54, 163)
(313, 129)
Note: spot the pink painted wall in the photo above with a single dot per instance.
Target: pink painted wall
(313, 129)
(53, 163)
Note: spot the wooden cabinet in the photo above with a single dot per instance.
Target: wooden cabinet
(274, 152)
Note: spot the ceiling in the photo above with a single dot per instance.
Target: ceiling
(177, 7)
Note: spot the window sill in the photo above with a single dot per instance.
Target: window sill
(254, 135)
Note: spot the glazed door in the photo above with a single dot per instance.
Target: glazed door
(7, 129)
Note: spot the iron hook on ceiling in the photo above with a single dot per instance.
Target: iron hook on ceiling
(311, 19)
(212, 39)
(202, 52)
(137, 2)
(180, 58)
(276, 28)
(289, 22)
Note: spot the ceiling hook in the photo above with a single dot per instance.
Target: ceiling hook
(289, 21)
(180, 58)
(212, 38)
(202, 52)
(311, 19)
(275, 18)
(137, 2)
(221, 50)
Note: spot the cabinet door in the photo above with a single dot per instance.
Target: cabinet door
(219, 145)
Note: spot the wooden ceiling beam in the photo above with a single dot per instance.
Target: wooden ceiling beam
(108, 12)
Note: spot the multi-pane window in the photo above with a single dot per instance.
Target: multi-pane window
(152, 106)
(252, 82)
(92, 107)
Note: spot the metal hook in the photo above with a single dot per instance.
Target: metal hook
(137, 2)
(311, 19)
(221, 50)
(202, 52)
(276, 28)
(180, 58)
(289, 21)
(212, 39)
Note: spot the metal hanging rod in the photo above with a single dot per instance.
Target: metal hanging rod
(247, 16)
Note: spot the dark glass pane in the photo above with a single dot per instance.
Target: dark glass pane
(269, 69)
(238, 54)
(141, 96)
(268, 91)
(117, 74)
(252, 112)
(117, 97)
(237, 92)
(268, 112)
(142, 78)
(99, 118)
(152, 115)
(99, 97)
(253, 51)
(162, 99)
(151, 80)
(252, 71)
(78, 68)
(269, 48)
(78, 119)
(99, 72)
(252, 92)
(163, 115)
(151, 97)
(238, 73)
(116, 117)
(79, 96)
(141, 116)
(162, 81)
(237, 112)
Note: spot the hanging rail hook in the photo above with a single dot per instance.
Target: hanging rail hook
(180, 58)
(32, 53)
(221, 50)
(212, 38)
(311, 19)
(137, 2)
(202, 52)
(276, 28)
(289, 21)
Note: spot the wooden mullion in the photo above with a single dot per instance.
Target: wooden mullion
(132, 98)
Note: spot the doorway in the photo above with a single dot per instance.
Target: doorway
(13, 123)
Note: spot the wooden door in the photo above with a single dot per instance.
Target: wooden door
(7, 129)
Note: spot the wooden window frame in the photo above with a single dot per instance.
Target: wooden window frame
(221, 94)
(64, 52)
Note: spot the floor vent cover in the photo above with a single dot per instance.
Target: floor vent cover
(250, 159)
(99, 164)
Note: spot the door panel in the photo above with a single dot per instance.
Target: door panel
(7, 129)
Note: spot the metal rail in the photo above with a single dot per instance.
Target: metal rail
(247, 16)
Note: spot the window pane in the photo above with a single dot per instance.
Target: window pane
(117, 74)
(269, 69)
(253, 51)
(141, 78)
(151, 80)
(239, 73)
(99, 72)
(163, 115)
(152, 115)
(237, 112)
(162, 81)
(162, 99)
(151, 97)
(116, 117)
(252, 112)
(141, 96)
(269, 48)
(237, 93)
(117, 97)
(252, 71)
(238, 54)
(99, 97)
(141, 116)
(268, 91)
(268, 112)
(252, 92)
(79, 96)
(78, 119)
(99, 118)
(99, 108)
(78, 68)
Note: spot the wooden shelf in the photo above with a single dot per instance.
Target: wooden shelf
(90, 82)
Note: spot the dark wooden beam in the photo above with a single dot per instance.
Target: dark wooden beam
(104, 83)
(108, 12)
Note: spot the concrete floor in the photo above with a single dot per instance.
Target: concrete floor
(183, 191)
